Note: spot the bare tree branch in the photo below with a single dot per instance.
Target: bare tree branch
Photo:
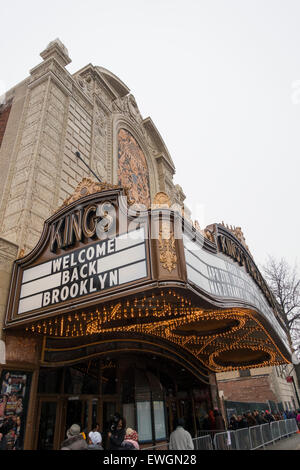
(284, 282)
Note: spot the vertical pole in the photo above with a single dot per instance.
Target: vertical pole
(296, 391)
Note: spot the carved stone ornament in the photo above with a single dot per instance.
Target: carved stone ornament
(238, 233)
(86, 84)
(21, 349)
(21, 253)
(167, 250)
(161, 199)
(209, 235)
(87, 187)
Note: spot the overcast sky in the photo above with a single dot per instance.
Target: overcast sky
(219, 78)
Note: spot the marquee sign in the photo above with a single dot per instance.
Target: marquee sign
(98, 267)
(78, 259)
(222, 278)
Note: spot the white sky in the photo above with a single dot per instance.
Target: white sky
(219, 78)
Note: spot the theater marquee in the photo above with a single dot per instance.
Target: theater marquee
(78, 260)
(100, 269)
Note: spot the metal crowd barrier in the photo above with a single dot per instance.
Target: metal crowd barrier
(275, 430)
(203, 443)
(164, 446)
(242, 439)
(200, 443)
(267, 437)
(256, 436)
(225, 440)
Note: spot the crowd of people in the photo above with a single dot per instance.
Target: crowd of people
(121, 438)
(256, 418)
(118, 437)
(213, 420)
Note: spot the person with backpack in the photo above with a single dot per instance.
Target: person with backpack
(117, 433)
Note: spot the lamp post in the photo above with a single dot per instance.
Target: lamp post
(93, 173)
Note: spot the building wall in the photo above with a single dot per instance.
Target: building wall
(252, 389)
(263, 384)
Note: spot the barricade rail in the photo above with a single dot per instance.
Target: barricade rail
(255, 437)
(250, 438)
(200, 443)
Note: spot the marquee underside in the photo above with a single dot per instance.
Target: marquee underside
(220, 339)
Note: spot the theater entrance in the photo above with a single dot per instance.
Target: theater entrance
(149, 391)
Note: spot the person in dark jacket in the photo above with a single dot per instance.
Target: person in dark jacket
(258, 418)
(233, 423)
(219, 421)
(251, 419)
(269, 417)
(242, 421)
(206, 423)
(117, 434)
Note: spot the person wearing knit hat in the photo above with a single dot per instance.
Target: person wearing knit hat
(131, 437)
(75, 440)
(95, 440)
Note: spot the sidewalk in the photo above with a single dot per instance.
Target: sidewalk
(290, 443)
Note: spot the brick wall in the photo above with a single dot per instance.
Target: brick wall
(252, 389)
(4, 115)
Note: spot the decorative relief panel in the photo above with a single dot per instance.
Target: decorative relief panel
(167, 257)
(22, 349)
(86, 84)
(103, 95)
(133, 170)
(128, 106)
(100, 142)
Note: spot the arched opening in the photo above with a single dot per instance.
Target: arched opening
(151, 391)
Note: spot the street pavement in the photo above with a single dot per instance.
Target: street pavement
(290, 443)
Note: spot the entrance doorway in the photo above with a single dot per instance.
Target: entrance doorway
(48, 425)
(149, 392)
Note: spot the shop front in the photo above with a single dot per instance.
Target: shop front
(119, 309)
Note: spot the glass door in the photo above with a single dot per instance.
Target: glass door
(47, 428)
(77, 412)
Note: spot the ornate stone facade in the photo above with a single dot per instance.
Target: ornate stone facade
(59, 114)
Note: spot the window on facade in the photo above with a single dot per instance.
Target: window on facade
(150, 407)
(81, 379)
(109, 378)
(50, 380)
(129, 414)
(159, 420)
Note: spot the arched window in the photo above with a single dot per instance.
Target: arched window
(143, 391)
